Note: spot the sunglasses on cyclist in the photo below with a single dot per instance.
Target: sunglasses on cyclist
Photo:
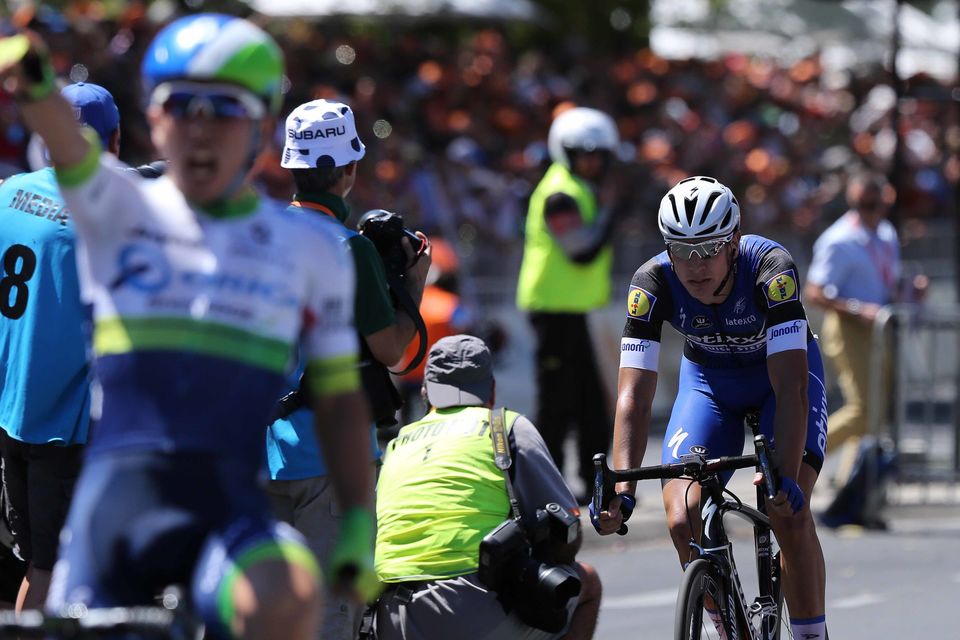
(706, 249)
(202, 100)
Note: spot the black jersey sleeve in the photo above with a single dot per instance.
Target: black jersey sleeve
(778, 288)
(649, 302)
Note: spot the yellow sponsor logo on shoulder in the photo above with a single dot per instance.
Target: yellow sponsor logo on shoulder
(782, 288)
(640, 303)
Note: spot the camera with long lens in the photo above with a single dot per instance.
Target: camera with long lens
(512, 564)
(388, 234)
(391, 238)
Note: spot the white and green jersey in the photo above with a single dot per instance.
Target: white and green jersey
(197, 314)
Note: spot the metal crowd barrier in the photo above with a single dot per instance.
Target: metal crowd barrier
(923, 415)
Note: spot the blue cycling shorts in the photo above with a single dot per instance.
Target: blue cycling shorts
(712, 403)
(142, 521)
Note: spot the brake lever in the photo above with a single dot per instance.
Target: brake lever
(771, 478)
(604, 489)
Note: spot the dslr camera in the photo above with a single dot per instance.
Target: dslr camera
(512, 564)
(388, 234)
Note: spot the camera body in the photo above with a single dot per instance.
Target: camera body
(387, 232)
(511, 565)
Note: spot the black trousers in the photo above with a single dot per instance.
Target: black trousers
(570, 393)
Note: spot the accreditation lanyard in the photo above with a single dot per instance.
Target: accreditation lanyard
(881, 255)
(501, 456)
(316, 207)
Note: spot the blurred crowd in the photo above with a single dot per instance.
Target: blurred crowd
(455, 124)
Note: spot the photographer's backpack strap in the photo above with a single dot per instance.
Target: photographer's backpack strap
(501, 456)
(399, 290)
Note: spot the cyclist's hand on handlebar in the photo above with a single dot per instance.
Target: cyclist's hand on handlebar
(789, 499)
(351, 562)
(617, 512)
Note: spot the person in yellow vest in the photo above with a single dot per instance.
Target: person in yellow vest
(441, 492)
(565, 274)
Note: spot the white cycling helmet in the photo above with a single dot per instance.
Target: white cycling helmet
(581, 128)
(698, 207)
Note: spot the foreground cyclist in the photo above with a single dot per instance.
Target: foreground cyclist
(201, 293)
(736, 301)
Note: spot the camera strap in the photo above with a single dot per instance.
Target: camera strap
(410, 307)
(501, 456)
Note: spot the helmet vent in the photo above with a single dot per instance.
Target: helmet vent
(676, 213)
(726, 218)
(690, 207)
(709, 205)
(707, 231)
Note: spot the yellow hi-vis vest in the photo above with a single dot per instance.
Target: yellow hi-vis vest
(438, 495)
(549, 281)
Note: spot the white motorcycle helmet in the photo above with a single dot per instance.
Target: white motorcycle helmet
(697, 208)
(583, 129)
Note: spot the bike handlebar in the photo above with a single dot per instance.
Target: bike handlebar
(694, 466)
(88, 623)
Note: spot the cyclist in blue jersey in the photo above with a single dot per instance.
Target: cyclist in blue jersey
(44, 378)
(202, 295)
(736, 301)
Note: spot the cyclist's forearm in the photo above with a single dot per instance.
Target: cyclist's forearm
(790, 428)
(630, 432)
(53, 119)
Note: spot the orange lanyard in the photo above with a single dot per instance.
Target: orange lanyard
(315, 207)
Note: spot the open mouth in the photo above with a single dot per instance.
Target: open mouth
(202, 166)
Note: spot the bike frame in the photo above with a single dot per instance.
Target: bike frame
(716, 547)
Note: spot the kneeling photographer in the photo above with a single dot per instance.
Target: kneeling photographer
(477, 531)
(322, 151)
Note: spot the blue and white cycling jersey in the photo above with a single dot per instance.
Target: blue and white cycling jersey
(762, 315)
(724, 371)
(197, 317)
(44, 377)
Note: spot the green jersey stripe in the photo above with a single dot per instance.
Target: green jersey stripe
(123, 335)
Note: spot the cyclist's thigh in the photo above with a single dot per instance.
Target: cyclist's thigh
(816, 440)
(252, 552)
(136, 525)
(51, 474)
(699, 418)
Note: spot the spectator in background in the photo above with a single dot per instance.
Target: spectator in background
(322, 152)
(565, 274)
(440, 492)
(12, 568)
(44, 377)
(855, 271)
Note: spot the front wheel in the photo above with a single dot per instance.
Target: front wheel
(700, 590)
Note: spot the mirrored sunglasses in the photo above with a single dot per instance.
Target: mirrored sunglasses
(706, 249)
(200, 100)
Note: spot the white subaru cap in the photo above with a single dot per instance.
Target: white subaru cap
(321, 133)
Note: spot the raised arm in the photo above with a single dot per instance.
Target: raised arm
(27, 74)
